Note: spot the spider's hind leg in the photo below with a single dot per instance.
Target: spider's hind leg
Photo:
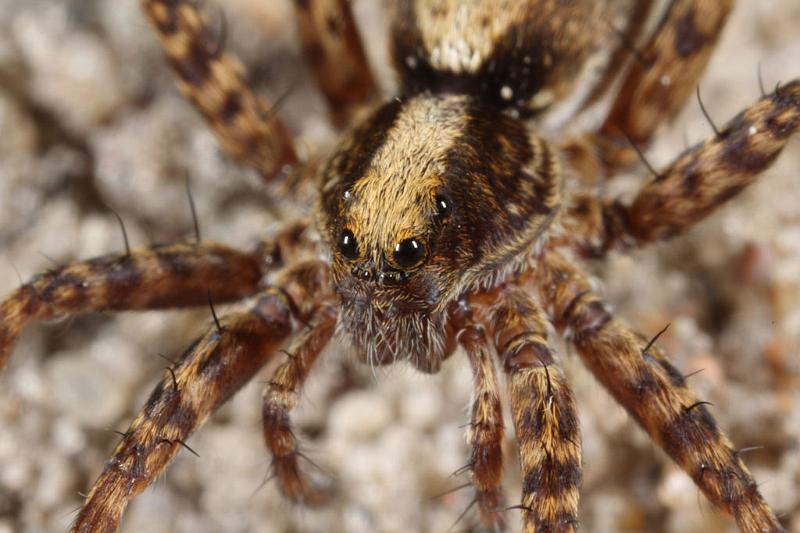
(215, 82)
(657, 85)
(334, 51)
(671, 64)
(640, 377)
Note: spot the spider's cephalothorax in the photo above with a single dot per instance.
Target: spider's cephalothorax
(434, 195)
(448, 220)
(444, 189)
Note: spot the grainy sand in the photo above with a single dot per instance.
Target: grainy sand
(89, 118)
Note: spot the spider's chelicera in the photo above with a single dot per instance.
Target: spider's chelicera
(446, 219)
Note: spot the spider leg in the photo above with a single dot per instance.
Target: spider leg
(215, 82)
(544, 413)
(697, 182)
(676, 56)
(335, 53)
(280, 398)
(177, 275)
(619, 57)
(657, 85)
(654, 392)
(486, 431)
(206, 376)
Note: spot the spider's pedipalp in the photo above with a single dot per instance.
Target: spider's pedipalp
(280, 397)
(654, 392)
(215, 82)
(544, 412)
(486, 432)
(334, 51)
(207, 375)
(178, 275)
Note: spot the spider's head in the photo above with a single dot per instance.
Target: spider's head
(426, 199)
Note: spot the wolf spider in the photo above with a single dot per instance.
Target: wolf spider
(442, 222)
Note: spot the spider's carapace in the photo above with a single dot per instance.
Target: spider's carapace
(455, 137)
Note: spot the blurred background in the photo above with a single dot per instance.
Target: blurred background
(91, 121)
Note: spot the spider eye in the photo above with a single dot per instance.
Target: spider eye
(409, 253)
(443, 206)
(348, 245)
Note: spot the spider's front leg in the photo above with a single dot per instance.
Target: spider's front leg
(654, 392)
(159, 277)
(206, 376)
(544, 412)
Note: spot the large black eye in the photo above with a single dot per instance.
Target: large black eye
(409, 253)
(443, 206)
(348, 245)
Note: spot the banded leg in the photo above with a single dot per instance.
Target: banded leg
(544, 412)
(700, 180)
(486, 431)
(656, 88)
(654, 392)
(215, 82)
(280, 398)
(619, 57)
(206, 376)
(333, 48)
(160, 277)
(658, 84)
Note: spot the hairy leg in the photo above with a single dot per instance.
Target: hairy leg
(654, 392)
(280, 398)
(696, 183)
(656, 88)
(486, 432)
(335, 53)
(657, 85)
(206, 376)
(544, 412)
(215, 82)
(625, 50)
(159, 277)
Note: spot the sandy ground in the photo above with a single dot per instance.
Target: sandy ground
(90, 121)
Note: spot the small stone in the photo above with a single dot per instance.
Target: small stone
(360, 415)
(84, 390)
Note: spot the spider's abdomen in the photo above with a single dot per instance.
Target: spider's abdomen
(521, 54)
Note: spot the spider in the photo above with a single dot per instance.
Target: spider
(443, 221)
